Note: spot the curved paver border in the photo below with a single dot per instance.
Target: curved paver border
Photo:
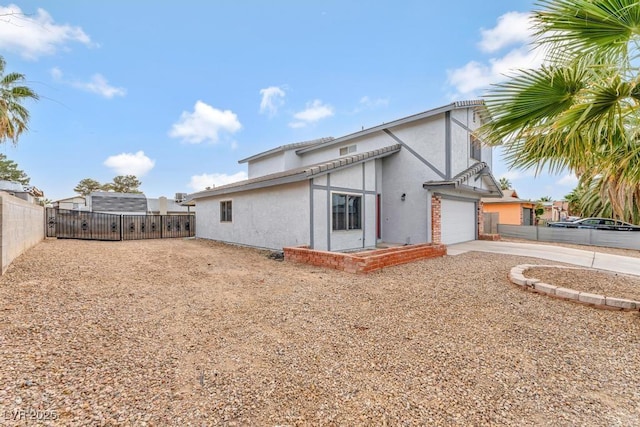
(516, 276)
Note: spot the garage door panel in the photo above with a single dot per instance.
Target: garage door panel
(458, 221)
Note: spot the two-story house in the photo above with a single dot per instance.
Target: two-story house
(418, 179)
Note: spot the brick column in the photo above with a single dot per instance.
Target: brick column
(436, 219)
(480, 218)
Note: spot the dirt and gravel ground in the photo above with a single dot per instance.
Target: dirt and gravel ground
(190, 332)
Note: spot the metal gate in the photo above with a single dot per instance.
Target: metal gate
(69, 224)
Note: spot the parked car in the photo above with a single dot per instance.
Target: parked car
(596, 224)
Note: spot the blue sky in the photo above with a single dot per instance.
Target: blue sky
(177, 93)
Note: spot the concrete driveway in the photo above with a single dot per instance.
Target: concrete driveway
(584, 258)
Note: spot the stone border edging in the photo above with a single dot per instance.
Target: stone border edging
(516, 276)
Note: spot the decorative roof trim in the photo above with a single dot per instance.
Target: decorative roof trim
(297, 174)
(480, 169)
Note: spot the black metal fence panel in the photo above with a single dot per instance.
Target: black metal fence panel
(178, 226)
(137, 227)
(68, 224)
(50, 222)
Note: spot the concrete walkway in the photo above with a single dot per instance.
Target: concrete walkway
(617, 263)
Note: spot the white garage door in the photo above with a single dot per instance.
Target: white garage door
(458, 221)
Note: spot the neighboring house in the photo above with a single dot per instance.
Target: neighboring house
(74, 203)
(555, 211)
(125, 203)
(414, 180)
(27, 193)
(511, 209)
(165, 206)
(117, 203)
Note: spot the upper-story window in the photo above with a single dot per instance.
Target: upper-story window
(475, 148)
(347, 150)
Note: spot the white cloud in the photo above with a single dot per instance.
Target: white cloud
(204, 124)
(297, 125)
(137, 164)
(314, 112)
(514, 175)
(372, 103)
(568, 180)
(272, 100)
(512, 28)
(35, 35)
(201, 182)
(475, 76)
(98, 84)
(56, 73)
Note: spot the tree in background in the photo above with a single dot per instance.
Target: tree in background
(585, 201)
(581, 110)
(9, 171)
(124, 184)
(87, 186)
(14, 117)
(505, 184)
(43, 201)
(573, 199)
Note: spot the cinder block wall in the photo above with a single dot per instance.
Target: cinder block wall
(21, 227)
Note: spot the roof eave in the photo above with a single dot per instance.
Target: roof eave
(253, 186)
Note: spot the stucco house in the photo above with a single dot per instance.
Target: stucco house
(418, 179)
(510, 208)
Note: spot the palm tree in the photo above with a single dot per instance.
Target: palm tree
(581, 110)
(14, 117)
(505, 184)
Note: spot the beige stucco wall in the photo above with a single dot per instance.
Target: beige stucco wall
(21, 227)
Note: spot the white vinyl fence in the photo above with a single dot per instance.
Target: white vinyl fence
(578, 236)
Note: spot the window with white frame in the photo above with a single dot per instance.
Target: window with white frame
(348, 150)
(346, 212)
(225, 211)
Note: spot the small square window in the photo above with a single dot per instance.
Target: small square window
(348, 150)
(226, 211)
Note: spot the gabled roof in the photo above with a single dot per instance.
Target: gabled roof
(508, 196)
(434, 112)
(297, 174)
(286, 147)
(480, 169)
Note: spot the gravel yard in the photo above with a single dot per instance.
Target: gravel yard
(192, 332)
(601, 282)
